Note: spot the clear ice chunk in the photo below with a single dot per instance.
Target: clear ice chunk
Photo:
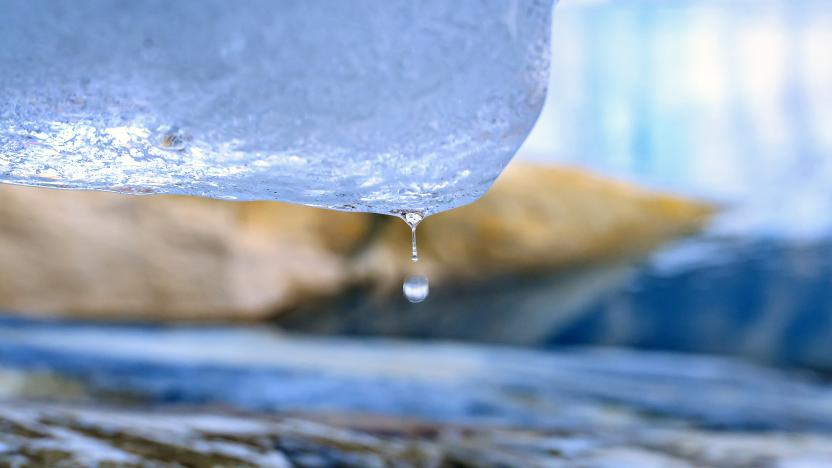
(388, 106)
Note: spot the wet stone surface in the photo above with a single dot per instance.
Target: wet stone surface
(63, 435)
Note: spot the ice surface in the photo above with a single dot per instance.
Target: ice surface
(365, 105)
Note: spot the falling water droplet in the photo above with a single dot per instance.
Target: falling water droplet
(416, 288)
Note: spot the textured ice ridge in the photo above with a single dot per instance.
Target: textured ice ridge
(366, 105)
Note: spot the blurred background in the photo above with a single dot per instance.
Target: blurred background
(728, 101)
(725, 101)
(659, 254)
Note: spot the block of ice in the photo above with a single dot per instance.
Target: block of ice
(366, 105)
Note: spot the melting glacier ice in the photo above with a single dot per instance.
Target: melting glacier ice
(386, 106)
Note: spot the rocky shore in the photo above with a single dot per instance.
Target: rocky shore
(76, 394)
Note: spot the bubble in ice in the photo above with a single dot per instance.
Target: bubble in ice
(416, 288)
(171, 139)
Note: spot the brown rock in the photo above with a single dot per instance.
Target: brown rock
(92, 254)
(536, 218)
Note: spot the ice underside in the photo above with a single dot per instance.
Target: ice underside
(381, 106)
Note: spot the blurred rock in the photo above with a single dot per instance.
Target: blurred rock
(535, 219)
(89, 254)
(93, 254)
